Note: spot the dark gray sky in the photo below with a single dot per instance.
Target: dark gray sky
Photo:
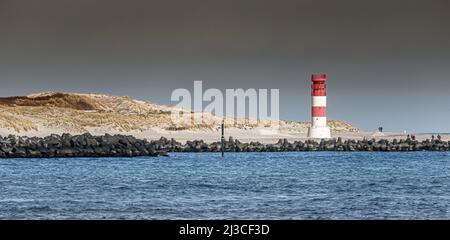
(388, 61)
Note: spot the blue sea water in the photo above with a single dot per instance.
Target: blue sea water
(314, 185)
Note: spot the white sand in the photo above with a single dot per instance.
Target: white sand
(261, 135)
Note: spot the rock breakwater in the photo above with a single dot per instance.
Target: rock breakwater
(87, 145)
(84, 145)
(283, 145)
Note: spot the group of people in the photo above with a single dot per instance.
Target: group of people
(413, 137)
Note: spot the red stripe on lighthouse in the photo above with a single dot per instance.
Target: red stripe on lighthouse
(318, 89)
(321, 92)
(319, 111)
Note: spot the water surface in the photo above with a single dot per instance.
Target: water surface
(314, 185)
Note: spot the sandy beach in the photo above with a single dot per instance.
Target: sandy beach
(256, 135)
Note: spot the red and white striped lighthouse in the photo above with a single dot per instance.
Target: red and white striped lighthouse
(319, 128)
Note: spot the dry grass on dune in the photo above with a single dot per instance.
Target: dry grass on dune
(18, 124)
(78, 113)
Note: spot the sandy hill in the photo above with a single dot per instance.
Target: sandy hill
(45, 113)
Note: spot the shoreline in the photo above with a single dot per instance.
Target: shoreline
(87, 145)
(263, 135)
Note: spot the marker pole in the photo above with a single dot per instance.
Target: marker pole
(223, 138)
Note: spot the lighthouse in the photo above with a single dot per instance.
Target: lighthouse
(319, 128)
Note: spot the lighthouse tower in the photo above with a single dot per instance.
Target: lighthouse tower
(319, 128)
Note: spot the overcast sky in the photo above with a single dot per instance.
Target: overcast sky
(388, 61)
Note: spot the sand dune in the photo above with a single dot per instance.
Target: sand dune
(42, 114)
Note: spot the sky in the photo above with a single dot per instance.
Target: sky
(387, 61)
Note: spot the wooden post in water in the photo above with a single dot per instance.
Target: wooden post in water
(222, 146)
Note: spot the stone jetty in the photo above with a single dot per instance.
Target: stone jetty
(283, 145)
(87, 145)
(84, 145)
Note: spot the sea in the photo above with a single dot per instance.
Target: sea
(293, 185)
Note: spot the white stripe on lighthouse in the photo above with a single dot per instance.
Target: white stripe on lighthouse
(319, 121)
(319, 101)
